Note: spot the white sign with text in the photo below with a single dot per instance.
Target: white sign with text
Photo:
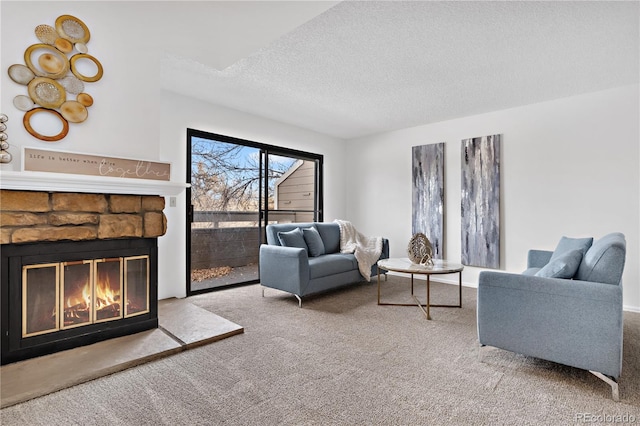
(42, 160)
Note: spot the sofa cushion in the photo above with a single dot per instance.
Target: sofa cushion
(330, 264)
(563, 266)
(330, 233)
(604, 261)
(314, 241)
(293, 238)
(530, 271)
(567, 244)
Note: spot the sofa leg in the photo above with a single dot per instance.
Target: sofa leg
(615, 394)
(299, 300)
(483, 350)
(263, 291)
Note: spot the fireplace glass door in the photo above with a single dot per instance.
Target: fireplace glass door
(137, 285)
(108, 289)
(76, 306)
(40, 293)
(59, 296)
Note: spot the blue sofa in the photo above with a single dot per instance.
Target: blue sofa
(307, 270)
(566, 307)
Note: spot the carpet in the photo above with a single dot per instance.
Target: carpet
(342, 360)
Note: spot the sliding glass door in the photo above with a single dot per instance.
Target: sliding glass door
(292, 185)
(237, 187)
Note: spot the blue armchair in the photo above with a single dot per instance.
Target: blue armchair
(566, 307)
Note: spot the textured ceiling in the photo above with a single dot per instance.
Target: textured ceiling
(219, 33)
(362, 68)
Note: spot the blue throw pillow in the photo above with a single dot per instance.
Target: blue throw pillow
(563, 266)
(314, 241)
(293, 238)
(567, 244)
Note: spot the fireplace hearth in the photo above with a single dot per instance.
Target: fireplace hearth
(60, 295)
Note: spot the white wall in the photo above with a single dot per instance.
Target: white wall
(179, 113)
(569, 167)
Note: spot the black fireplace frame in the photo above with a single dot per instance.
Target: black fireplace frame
(15, 256)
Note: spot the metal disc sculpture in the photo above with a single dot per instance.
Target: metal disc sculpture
(54, 69)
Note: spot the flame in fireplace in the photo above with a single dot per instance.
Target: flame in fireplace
(86, 294)
(105, 295)
(82, 300)
(106, 305)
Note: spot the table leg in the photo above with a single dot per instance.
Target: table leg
(460, 289)
(428, 295)
(378, 286)
(412, 284)
(426, 311)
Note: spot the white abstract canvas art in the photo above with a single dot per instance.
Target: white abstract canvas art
(480, 202)
(428, 194)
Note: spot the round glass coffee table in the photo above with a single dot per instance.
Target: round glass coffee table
(439, 267)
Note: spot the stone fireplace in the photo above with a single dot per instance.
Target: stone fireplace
(77, 268)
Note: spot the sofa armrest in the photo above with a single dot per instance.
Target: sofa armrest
(383, 255)
(538, 258)
(576, 323)
(284, 268)
(385, 249)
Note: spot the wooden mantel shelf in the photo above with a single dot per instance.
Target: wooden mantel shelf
(62, 182)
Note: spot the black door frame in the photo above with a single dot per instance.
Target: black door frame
(265, 151)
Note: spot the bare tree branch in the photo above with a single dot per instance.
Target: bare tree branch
(225, 178)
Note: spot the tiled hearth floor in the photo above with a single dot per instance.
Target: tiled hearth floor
(182, 326)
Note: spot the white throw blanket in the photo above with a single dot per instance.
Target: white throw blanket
(366, 249)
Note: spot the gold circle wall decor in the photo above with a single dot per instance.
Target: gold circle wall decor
(51, 63)
(23, 102)
(27, 124)
(74, 70)
(63, 45)
(46, 92)
(21, 74)
(46, 34)
(72, 29)
(51, 71)
(85, 99)
(72, 84)
(53, 54)
(81, 47)
(74, 111)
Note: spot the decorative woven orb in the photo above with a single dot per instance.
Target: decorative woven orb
(420, 250)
